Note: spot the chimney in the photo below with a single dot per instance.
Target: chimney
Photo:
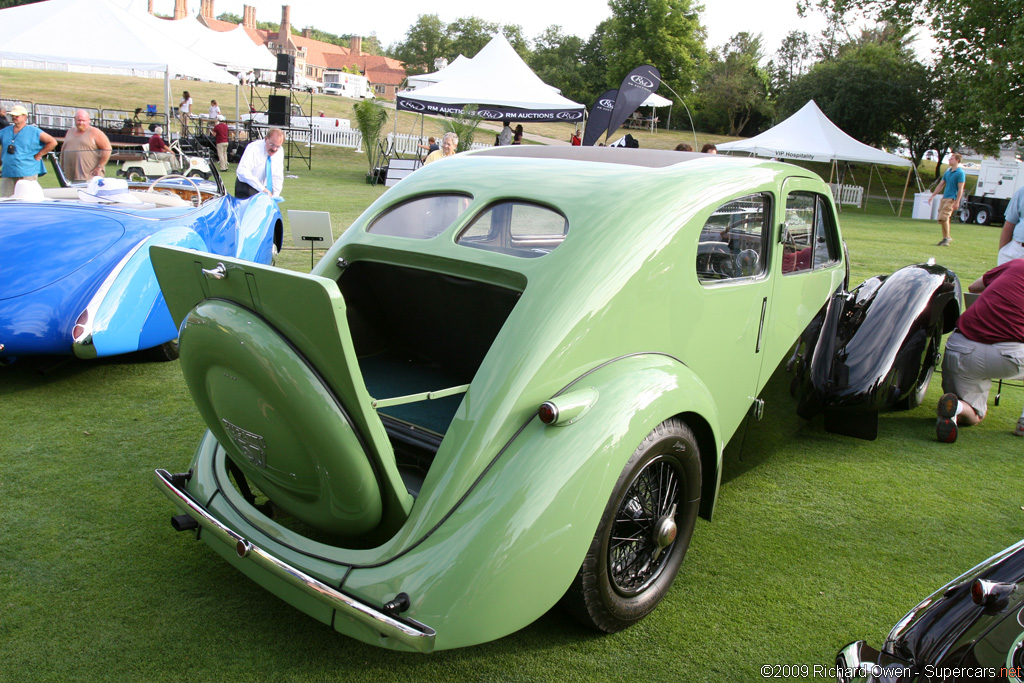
(355, 45)
(180, 9)
(206, 9)
(249, 16)
(151, 6)
(307, 33)
(284, 35)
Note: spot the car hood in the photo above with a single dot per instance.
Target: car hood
(43, 244)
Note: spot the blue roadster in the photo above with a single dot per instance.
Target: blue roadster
(75, 274)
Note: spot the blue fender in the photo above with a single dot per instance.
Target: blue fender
(128, 312)
(258, 216)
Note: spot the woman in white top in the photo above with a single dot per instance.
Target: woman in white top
(184, 111)
(214, 112)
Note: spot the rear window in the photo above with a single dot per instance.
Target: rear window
(421, 218)
(516, 228)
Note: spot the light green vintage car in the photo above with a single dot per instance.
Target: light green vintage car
(514, 380)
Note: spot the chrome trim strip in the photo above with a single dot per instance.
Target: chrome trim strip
(419, 637)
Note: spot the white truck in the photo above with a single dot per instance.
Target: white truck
(347, 85)
(998, 179)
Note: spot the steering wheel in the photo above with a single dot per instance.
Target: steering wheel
(176, 175)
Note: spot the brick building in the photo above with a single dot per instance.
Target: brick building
(312, 57)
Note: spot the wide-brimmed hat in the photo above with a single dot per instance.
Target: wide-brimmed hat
(108, 190)
(18, 110)
(28, 191)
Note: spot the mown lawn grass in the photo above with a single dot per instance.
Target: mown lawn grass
(828, 540)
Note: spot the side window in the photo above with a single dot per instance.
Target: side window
(733, 240)
(809, 240)
(517, 229)
(420, 218)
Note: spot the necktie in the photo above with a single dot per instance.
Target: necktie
(270, 178)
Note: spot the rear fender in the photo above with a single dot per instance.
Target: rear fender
(874, 346)
(259, 228)
(129, 302)
(522, 531)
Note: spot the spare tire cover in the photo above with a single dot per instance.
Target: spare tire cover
(277, 420)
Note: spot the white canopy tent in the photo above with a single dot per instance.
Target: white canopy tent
(809, 135)
(502, 86)
(423, 80)
(97, 36)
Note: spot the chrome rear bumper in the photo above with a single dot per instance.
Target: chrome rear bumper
(408, 632)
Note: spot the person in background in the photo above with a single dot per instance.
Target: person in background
(431, 147)
(22, 148)
(1011, 239)
(517, 137)
(952, 188)
(220, 138)
(261, 168)
(4, 122)
(156, 142)
(708, 148)
(577, 138)
(987, 344)
(85, 151)
(449, 143)
(214, 112)
(683, 147)
(505, 136)
(185, 111)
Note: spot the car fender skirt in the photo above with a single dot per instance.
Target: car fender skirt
(277, 420)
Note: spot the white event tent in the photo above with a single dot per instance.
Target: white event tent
(809, 135)
(423, 80)
(500, 84)
(97, 36)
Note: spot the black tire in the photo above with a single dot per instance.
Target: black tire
(640, 543)
(136, 175)
(982, 215)
(931, 360)
(167, 351)
(966, 214)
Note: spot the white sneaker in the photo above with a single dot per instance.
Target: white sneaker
(1019, 429)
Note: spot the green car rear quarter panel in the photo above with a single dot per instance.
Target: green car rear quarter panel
(509, 506)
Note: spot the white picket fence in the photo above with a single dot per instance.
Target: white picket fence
(402, 143)
(847, 194)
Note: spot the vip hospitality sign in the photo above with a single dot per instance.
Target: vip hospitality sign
(490, 112)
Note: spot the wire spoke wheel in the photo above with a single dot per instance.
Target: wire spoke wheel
(644, 528)
(644, 532)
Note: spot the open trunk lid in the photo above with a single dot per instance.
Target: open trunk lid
(268, 357)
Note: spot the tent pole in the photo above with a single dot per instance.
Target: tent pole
(167, 98)
(905, 186)
(868, 193)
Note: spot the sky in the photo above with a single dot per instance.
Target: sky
(722, 18)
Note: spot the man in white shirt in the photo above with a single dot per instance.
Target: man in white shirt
(261, 168)
(505, 136)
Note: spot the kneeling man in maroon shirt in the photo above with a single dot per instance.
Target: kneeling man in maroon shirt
(988, 344)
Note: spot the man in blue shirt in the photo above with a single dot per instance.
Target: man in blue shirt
(22, 148)
(952, 188)
(1011, 240)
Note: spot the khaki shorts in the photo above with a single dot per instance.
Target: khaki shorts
(945, 209)
(968, 368)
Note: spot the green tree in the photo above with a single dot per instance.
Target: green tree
(791, 58)
(371, 117)
(864, 91)
(557, 60)
(468, 35)
(666, 34)
(425, 41)
(981, 51)
(736, 84)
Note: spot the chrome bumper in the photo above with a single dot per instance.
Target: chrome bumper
(412, 634)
